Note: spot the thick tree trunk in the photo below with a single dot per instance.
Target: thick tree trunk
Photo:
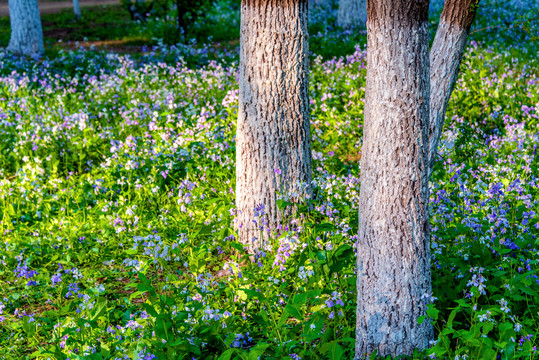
(273, 131)
(76, 9)
(352, 13)
(393, 254)
(445, 57)
(26, 31)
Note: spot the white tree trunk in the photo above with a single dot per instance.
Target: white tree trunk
(352, 13)
(401, 134)
(445, 57)
(76, 9)
(273, 131)
(393, 254)
(26, 31)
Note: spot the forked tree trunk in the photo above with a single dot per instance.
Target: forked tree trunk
(398, 153)
(352, 13)
(393, 254)
(273, 130)
(76, 9)
(26, 31)
(445, 57)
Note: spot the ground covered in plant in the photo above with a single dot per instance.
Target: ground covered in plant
(117, 210)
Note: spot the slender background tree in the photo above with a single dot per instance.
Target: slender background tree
(76, 9)
(445, 57)
(273, 144)
(320, 3)
(352, 13)
(26, 32)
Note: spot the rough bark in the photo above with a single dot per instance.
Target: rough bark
(445, 57)
(76, 9)
(352, 13)
(26, 31)
(393, 255)
(273, 130)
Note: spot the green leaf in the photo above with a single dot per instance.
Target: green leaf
(303, 298)
(205, 230)
(163, 327)
(262, 319)
(342, 257)
(238, 247)
(528, 291)
(433, 312)
(294, 311)
(324, 227)
(452, 317)
(281, 204)
(322, 255)
(488, 353)
(253, 294)
(150, 309)
(242, 295)
(100, 309)
(126, 316)
(257, 351)
(335, 351)
(228, 354)
(487, 327)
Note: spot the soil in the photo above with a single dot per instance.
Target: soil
(54, 6)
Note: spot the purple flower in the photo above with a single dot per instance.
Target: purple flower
(495, 189)
(56, 278)
(72, 290)
(22, 270)
(259, 210)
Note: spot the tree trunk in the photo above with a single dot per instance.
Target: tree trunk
(76, 9)
(352, 13)
(445, 57)
(273, 131)
(26, 31)
(181, 7)
(393, 255)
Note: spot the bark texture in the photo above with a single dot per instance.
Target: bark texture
(76, 9)
(445, 57)
(352, 13)
(393, 254)
(26, 31)
(273, 131)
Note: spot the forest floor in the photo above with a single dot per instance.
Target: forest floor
(53, 6)
(104, 24)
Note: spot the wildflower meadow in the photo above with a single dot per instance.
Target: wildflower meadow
(117, 191)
